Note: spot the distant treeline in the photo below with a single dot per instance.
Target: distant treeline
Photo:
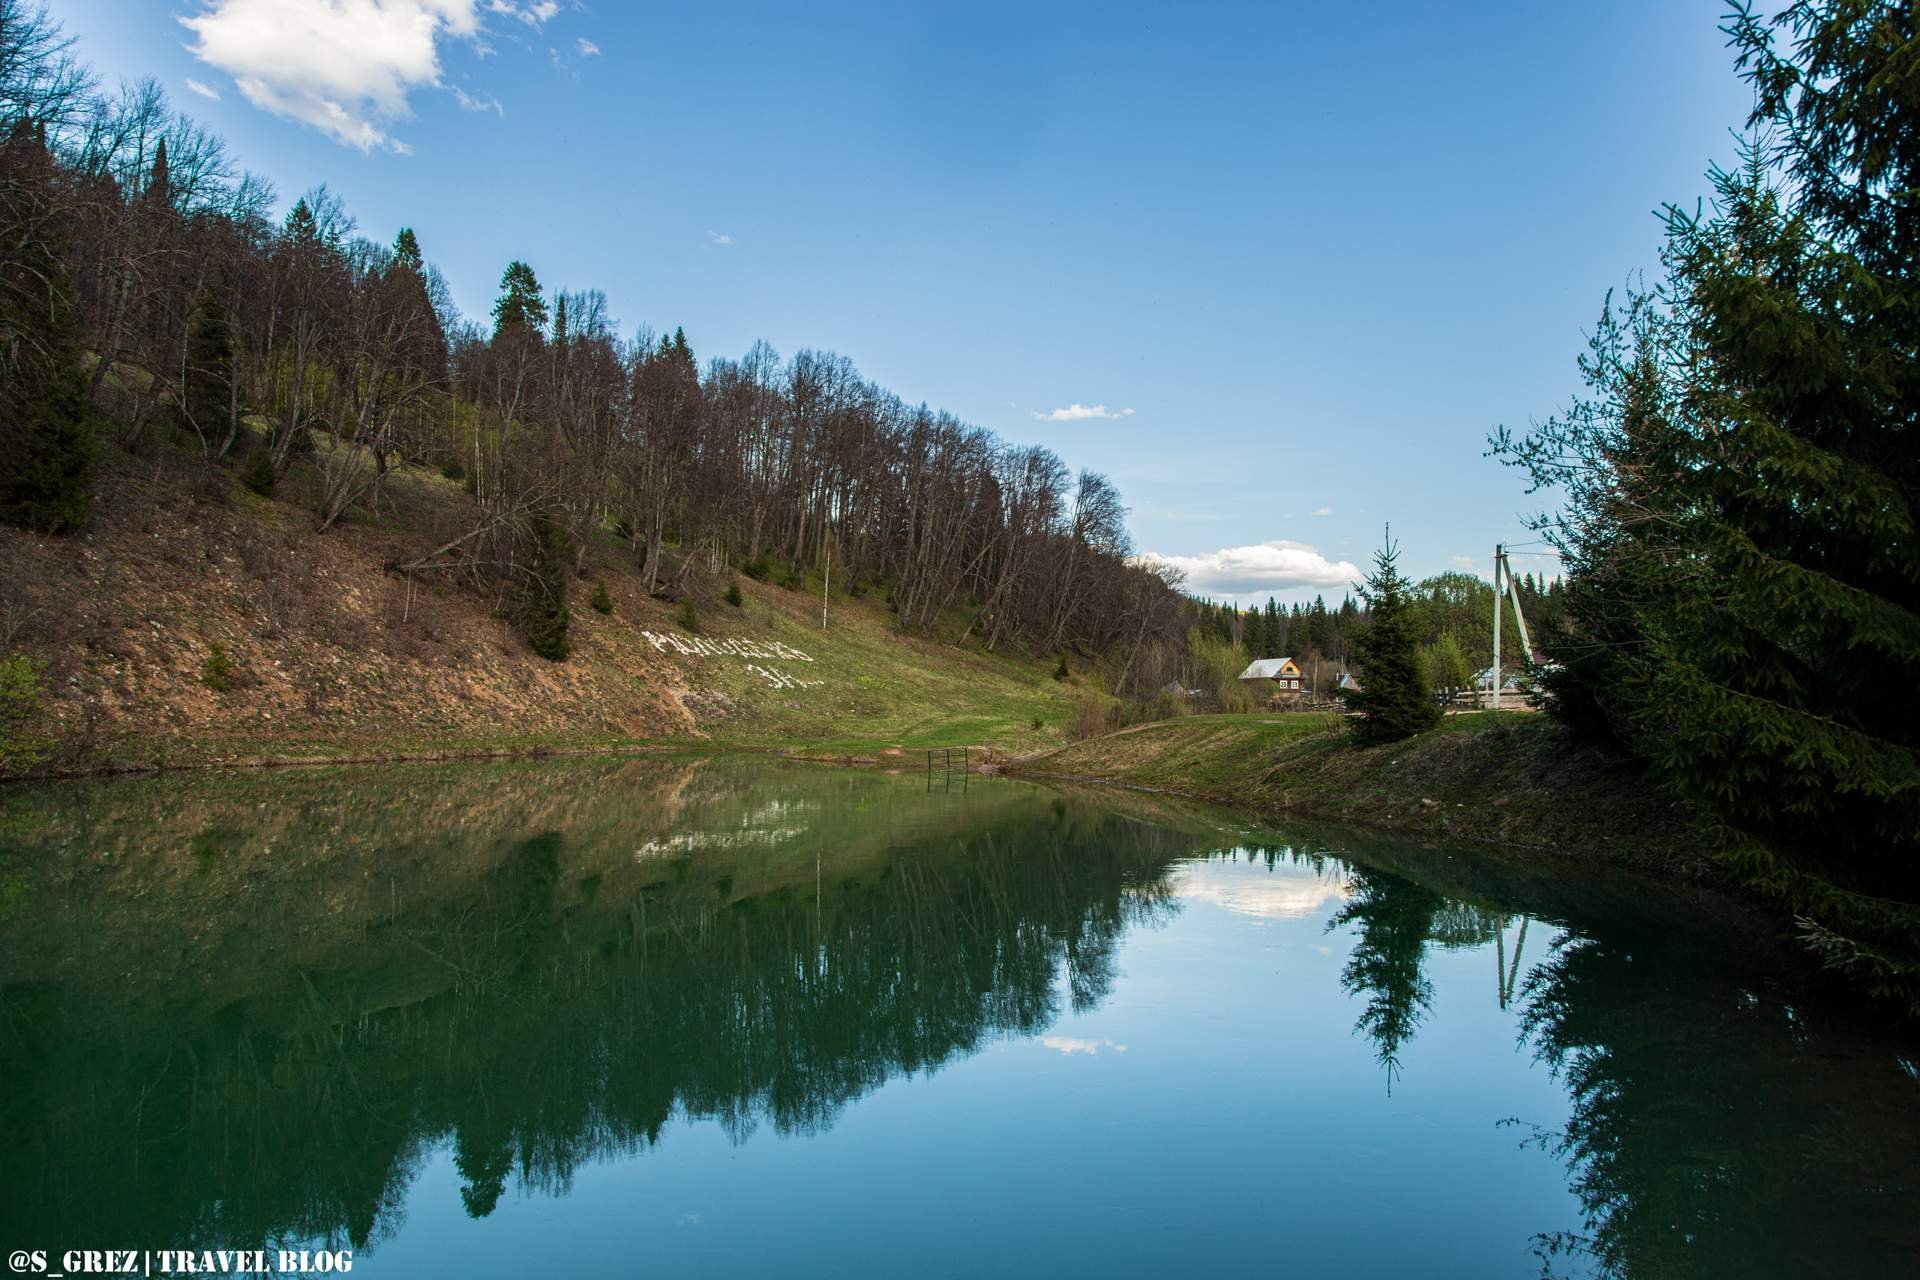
(146, 287)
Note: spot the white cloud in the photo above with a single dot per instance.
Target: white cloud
(346, 67)
(1278, 893)
(532, 14)
(1070, 1045)
(1324, 511)
(485, 102)
(204, 90)
(1463, 562)
(719, 237)
(1259, 569)
(588, 49)
(1077, 412)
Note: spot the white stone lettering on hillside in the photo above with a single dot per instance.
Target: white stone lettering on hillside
(781, 680)
(701, 647)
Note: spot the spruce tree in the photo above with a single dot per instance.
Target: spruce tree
(1392, 702)
(207, 384)
(46, 440)
(522, 306)
(1744, 494)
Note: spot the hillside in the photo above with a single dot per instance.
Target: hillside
(335, 657)
(1513, 779)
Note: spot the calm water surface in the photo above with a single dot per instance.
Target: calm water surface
(734, 1017)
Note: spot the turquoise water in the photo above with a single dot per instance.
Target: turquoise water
(736, 1017)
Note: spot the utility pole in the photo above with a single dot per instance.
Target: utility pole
(1503, 585)
(1499, 561)
(826, 584)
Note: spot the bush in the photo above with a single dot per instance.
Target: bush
(601, 601)
(219, 672)
(23, 683)
(471, 484)
(689, 616)
(734, 597)
(257, 471)
(757, 568)
(1060, 672)
(1092, 716)
(50, 447)
(540, 612)
(453, 468)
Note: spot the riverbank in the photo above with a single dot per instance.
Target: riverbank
(1510, 778)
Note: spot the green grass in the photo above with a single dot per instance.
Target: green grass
(1510, 777)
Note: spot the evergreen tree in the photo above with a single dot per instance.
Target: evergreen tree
(159, 182)
(406, 252)
(540, 613)
(207, 385)
(1744, 494)
(46, 439)
(1392, 702)
(521, 306)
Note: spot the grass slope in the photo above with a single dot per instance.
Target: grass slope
(337, 658)
(1509, 778)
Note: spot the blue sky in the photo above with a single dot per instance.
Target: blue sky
(1301, 256)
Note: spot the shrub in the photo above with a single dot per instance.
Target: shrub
(734, 597)
(601, 601)
(453, 468)
(50, 447)
(23, 683)
(540, 612)
(1038, 723)
(689, 616)
(219, 671)
(757, 568)
(257, 471)
(1092, 716)
(1060, 672)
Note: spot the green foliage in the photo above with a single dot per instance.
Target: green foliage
(1444, 666)
(1743, 523)
(23, 683)
(207, 391)
(540, 611)
(406, 251)
(1393, 702)
(601, 601)
(757, 568)
(453, 468)
(257, 472)
(47, 444)
(689, 616)
(522, 306)
(1061, 672)
(49, 447)
(219, 672)
(734, 597)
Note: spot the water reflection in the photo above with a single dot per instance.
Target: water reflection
(254, 1010)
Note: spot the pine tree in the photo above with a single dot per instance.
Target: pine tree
(160, 182)
(1393, 702)
(540, 612)
(46, 440)
(406, 252)
(207, 385)
(521, 305)
(1743, 528)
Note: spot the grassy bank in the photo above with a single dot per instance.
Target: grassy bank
(1509, 778)
(196, 623)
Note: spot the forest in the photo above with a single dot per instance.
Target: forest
(147, 298)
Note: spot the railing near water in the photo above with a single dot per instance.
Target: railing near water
(947, 766)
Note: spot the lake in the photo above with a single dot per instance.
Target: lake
(737, 1017)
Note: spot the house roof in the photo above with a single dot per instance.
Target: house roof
(1265, 668)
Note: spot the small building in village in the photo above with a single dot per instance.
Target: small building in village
(1282, 673)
